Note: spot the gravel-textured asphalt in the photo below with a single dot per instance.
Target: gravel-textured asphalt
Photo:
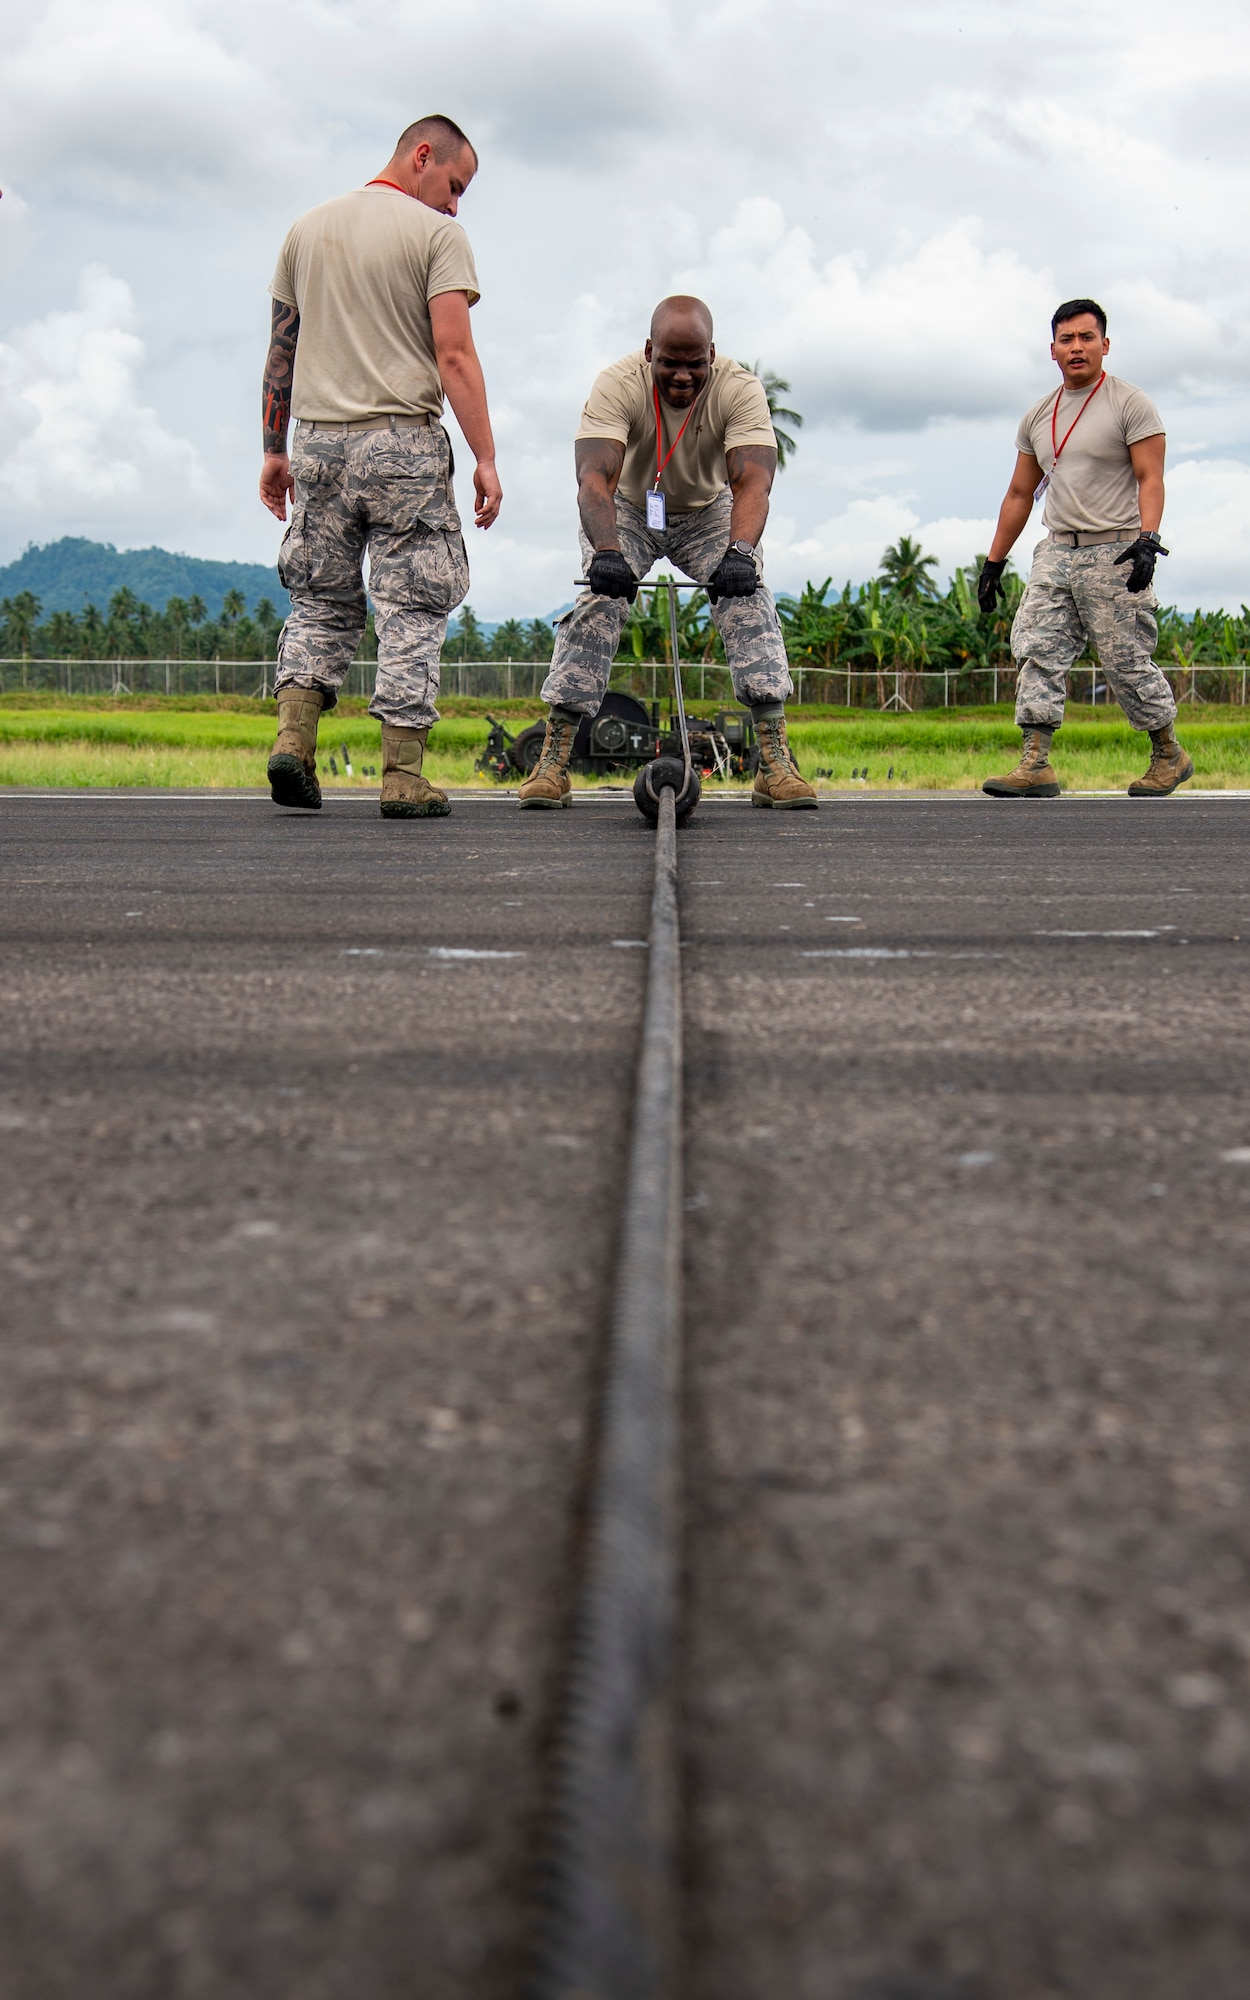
(307, 1234)
(969, 1409)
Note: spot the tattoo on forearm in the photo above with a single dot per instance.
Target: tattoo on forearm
(743, 456)
(279, 370)
(598, 462)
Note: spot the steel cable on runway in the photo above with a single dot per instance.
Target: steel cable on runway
(610, 1926)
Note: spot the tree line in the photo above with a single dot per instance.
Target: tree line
(901, 622)
(132, 630)
(897, 622)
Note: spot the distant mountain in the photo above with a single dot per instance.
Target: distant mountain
(67, 574)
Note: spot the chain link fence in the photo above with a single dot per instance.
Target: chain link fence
(511, 680)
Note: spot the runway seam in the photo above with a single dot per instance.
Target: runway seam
(609, 1905)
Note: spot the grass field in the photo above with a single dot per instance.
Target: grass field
(224, 742)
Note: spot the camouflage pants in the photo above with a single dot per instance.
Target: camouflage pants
(387, 491)
(587, 636)
(1075, 596)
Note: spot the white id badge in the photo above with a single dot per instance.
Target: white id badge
(1039, 490)
(655, 510)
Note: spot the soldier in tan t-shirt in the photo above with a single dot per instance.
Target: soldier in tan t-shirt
(1095, 447)
(675, 456)
(370, 326)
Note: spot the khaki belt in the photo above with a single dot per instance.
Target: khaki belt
(422, 419)
(1074, 541)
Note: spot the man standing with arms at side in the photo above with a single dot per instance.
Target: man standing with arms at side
(371, 302)
(675, 455)
(1096, 446)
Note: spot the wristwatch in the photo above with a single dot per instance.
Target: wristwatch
(742, 549)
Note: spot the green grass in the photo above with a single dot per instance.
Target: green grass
(210, 741)
(954, 749)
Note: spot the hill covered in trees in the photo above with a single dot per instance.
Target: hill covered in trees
(70, 574)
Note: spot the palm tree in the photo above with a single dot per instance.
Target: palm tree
(126, 616)
(233, 607)
(775, 388)
(466, 636)
(508, 642)
(60, 632)
(267, 624)
(176, 623)
(21, 615)
(905, 570)
(90, 632)
(539, 639)
(197, 612)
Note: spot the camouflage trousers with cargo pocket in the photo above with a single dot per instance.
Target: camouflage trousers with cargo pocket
(386, 490)
(587, 636)
(1077, 597)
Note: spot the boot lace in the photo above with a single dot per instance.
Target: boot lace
(774, 748)
(559, 733)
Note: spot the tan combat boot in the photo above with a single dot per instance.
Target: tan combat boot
(405, 793)
(548, 783)
(777, 781)
(293, 762)
(1033, 777)
(1170, 766)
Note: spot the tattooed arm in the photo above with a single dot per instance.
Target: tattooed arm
(598, 462)
(750, 468)
(275, 478)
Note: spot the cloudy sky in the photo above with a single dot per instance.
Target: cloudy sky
(883, 204)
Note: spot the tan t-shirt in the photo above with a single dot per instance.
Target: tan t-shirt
(361, 269)
(731, 409)
(1094, 489)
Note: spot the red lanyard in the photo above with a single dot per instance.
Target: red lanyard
(660, 463)
(1054, 417)
(382, 182)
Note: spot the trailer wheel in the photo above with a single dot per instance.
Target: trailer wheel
(525, 750)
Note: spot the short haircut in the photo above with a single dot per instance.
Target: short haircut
(681, 306)
(1074, 309)
(441, 134)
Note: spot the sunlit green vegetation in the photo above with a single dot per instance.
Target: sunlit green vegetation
(150, 742)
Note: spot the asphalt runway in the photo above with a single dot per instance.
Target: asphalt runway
(308, 1223)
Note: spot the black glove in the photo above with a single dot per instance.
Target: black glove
(990, 586)
(1143, 554)
(735, 575)
(610, 575)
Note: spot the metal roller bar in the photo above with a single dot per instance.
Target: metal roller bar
(673, 588)
(610, 1926)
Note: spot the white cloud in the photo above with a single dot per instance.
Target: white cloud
(850, 545)
(134, 100)
(1207, 528)
(950, 330)
(884, 204)
(80, 452)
